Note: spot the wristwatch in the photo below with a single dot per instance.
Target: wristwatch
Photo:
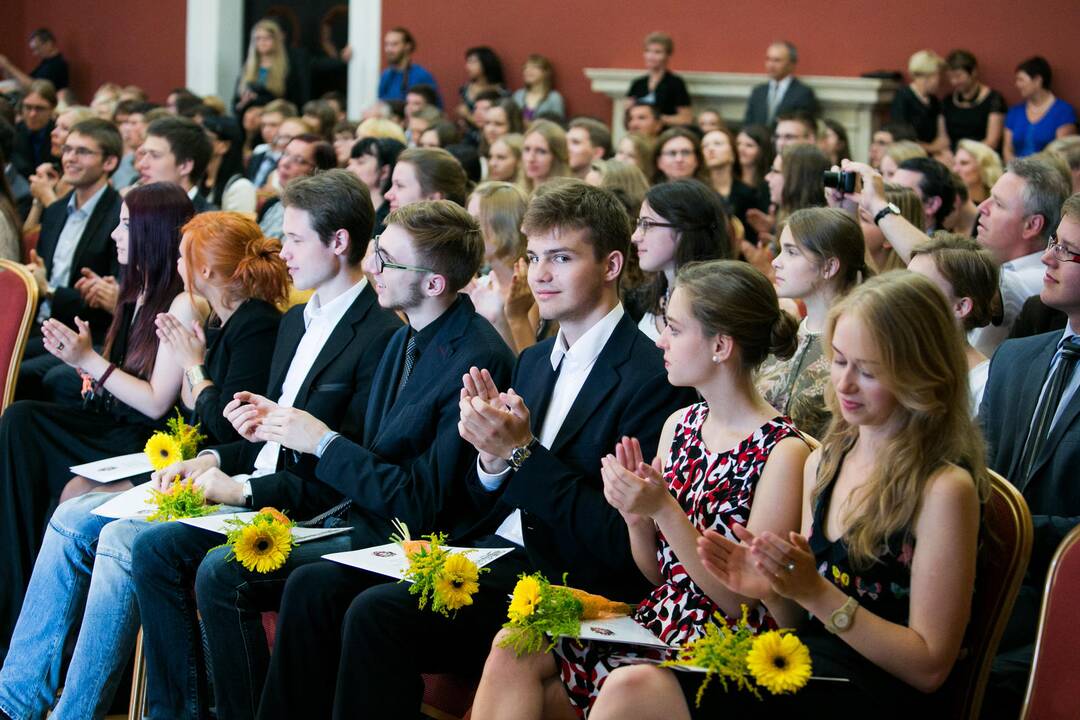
(519, 455)
(195, 375)
(889, 209)
(841, 619)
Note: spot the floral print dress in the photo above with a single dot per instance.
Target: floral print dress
(716, 491)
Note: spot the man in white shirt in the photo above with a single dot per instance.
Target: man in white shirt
(539, 446)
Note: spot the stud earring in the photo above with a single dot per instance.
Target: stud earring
(716, 359)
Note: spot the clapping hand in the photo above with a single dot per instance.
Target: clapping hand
(99, 292)
(292, 428)
(519, 298)
(74, 348)
(245, 411)
(36, 267)
(760, 565)
(640, 491)
(183, 470)
(491, 421)
(188, 346)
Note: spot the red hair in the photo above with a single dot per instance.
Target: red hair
(234, 249)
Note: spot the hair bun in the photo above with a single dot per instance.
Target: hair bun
(784, 335)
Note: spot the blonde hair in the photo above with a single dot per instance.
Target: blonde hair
(502, 208)
(380, 128)
(902, 150)
(279, 64)
(643, 148)
(923, 366)
(662, 39)
(925, 62)
(989, 162)
(625, 179)
(515, 142)
(555, 137)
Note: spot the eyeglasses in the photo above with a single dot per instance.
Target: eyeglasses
(381, 262)
(685, 152)
(80, 152)
(297, 160)
(646, 224)
(1060, 252)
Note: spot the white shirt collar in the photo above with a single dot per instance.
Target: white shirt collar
(89, 205)
(335, 309)
(1027, 262)
(781, 85)
(588, 346)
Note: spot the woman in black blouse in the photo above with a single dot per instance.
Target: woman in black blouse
(225, 258)
(659, 87)
(972, 110)
(917, 105)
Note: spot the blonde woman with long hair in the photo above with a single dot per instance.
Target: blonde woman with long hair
(880, 580)
(266, 69)
(544, 154)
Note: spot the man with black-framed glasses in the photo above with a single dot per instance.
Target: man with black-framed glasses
(75, 235)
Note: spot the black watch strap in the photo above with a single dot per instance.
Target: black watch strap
(889, 209)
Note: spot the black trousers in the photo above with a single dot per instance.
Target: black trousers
(351, 644)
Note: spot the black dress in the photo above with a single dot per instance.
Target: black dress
(885, 590)
(669, 95)
(39, 441)
(909, 109)
(742, 198)
(971, 121)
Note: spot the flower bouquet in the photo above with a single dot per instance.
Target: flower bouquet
(775, 660)
(182, 499)
(539, 609)
(445, 580)
(263, 543)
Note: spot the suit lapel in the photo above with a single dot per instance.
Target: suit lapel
(293, 331)
(339, 339)
(90, 232)
(50, 232)
(1068, 416)
(1029, 398)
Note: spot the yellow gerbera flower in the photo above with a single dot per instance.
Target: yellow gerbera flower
(457, 582)
(163, 450)
(779, 662)
(263, 547)
(526, 598)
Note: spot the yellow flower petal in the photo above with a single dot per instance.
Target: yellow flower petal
(162, 450)
(779, 662)
(525, 599)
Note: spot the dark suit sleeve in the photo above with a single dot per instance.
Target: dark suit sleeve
(750, 118)
(573, 507)
(246, 367)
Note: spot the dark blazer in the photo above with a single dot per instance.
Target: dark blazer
(412, 461)
(1036, 317)
(335, 391)
(202, 204)
(568, 525)
(799, 96)
(20, 190)
(1018, 371)
(95, 251)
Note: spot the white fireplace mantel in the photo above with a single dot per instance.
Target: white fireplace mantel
(857, 103)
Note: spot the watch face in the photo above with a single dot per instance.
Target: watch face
(842, 620)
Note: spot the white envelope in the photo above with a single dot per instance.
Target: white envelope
(128, 504)
(114, 468)
(217, 523)
(620, 630)
(390, 559)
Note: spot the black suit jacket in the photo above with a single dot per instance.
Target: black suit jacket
(95, 250)
(799, 96)
(568, 525)
(335, 391)
(412, 462)
(1018, 371)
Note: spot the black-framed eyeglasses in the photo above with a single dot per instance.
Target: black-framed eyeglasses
(381, 262)
(646, 224)
(1060, 252)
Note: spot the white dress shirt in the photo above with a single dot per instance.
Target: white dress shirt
(577, 362)
(319, 321)
(68, 242)
(1020, 279)
(777, 89)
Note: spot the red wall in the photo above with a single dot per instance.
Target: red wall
(142, 42)
(131, 42)
(839, 37)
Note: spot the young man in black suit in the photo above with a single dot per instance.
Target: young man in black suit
(324, 362)
(1030, 415)
(537, 472)
(75, 234)
(408, 461)
(176, 150)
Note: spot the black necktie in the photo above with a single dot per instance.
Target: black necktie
(537, 414)
(410, 360)
(1048, 405)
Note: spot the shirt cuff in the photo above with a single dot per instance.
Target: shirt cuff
(324, 442)
(215, 453)
(490, 482)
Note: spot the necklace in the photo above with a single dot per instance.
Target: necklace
(960, 99)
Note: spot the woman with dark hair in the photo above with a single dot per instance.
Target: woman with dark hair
(797, 180)
(82, 571)
(678, 156)
(722, 164)
(373, 161)
(680, 222)
(754, 149)
(225, 183)
(129, 388)
(972, 110)
(485, 72)
(1034, 123)
(502, 118)
(834, 142)
(538, 97)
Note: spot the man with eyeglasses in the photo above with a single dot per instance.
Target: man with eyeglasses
(33, 141)
(1030, 415)
(176, 150)
(75, 236)
(794, 127)
(303, 156)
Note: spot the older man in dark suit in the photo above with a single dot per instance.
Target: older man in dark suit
(784, 92)
(1031, 416)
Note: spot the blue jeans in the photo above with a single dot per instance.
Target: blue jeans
(83, 571)
(171, 559)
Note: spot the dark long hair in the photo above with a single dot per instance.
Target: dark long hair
(156, 212)
(232, 162)
(489, 62)
(697, 215)
(763, 138)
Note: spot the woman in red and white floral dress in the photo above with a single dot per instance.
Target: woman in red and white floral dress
(731, 459)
